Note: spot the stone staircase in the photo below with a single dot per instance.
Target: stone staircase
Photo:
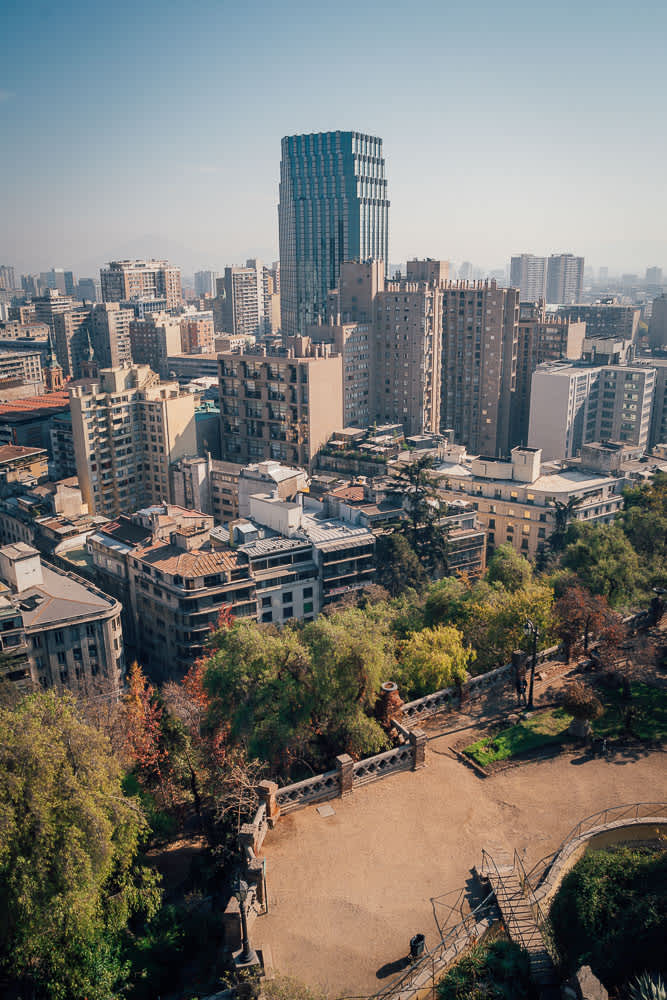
(519, 915)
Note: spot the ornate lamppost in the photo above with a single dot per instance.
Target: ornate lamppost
(248, 955)
(530, 629)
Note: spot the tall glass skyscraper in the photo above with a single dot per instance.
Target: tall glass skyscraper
(333, 207)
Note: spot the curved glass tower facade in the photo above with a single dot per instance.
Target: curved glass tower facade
(333, 207)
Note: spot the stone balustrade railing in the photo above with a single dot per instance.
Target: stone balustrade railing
(304, 793)
(373, 768)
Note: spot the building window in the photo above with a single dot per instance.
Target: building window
(266, 602)
(62, 657)
(288, 613)
(287, 598)
(267, 616)
(307, 592)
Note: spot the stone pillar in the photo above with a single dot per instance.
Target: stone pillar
(255, 877)
(344, 765)
(418, 741)
(231, 923)
(246, 839)
(389, 704)
(267, 795)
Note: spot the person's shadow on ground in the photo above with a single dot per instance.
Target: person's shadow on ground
(391, 968)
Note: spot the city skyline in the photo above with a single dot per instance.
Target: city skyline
(135, 168)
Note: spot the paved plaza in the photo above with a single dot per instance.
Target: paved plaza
(347, 891)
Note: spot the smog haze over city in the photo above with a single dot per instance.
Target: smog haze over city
(154, 129)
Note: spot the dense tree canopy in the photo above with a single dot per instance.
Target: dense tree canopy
(68, 845)
(604, 561)
(508, 568)
(433, 659)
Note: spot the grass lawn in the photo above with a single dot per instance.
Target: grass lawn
(541, 729)
(650, 712)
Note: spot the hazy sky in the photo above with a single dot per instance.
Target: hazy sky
(155, 127)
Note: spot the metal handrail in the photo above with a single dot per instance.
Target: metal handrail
(541, 920)
(601, 818)
(507, 911)
(435, 953)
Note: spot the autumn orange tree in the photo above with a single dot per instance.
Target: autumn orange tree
(578, 614)
(143, 742)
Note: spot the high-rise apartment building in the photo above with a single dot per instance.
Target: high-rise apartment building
(123, 280)
(110, 334)
(542, 337)
(45, 307)
(7, 278)
(153, 339)
(246, 306)
(653, 275)
(574, 405)
(279, 407)
(407, 345)
(71, 335)
(529, 274)
(205, 283)
(657, 331)
(197, 333)
(128, 428)
(479, 355)
(86, 290)
(565, 278)
(333, 208)
(606, 319)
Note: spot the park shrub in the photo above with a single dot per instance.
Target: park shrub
(611, 913)
(496, 971)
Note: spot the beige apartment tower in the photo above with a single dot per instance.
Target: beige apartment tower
(128, 428)
(277, 407)
(123, 280)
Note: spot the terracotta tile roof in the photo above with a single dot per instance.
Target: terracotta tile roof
(10, 452)
(49, 401)
(178, 562)
(353, 493)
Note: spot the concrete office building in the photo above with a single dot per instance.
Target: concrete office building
(128, 429)
(57, 630)
(542, 337)
(245, 295)
(565, 278)
(607, 320)
(44, 308)
(657, 331)
(205, 283)
(658, 432)
(86, 290)
(529, 274)
(515, 498)
(110, 334)
(124, 280)
(153, 339)
(197, 333)
(333, 208)
(21, 373)
(574, 405)
(279, 407)
(480, 330)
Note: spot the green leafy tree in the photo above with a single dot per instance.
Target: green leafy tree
(398, 567)
(423, 526)
(433, 659)
(297, 696)
(508, 568)
(446, 602)
(604, 561)
(69, 840)
(495, 619)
